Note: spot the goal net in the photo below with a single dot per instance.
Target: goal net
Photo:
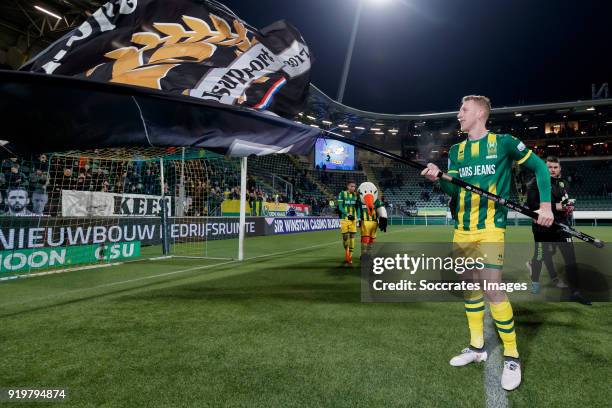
(76, 209)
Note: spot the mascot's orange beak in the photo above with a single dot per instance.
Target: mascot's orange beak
(369, 202)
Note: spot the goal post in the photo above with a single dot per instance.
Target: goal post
(243, 193)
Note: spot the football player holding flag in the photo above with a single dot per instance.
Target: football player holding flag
(485, 159)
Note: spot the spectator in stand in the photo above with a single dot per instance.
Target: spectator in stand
(80, 183)
(89, 181)
(41, 163)
(149, 181)
(125, 182)
(251, 183)
(98, 179)
(118, 186)
(15, 178)
(8, 163)
(39, 181)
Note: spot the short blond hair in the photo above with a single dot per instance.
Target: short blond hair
(483, 101)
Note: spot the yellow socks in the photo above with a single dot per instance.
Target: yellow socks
(504, 321)
(502, 316)
(474, 310)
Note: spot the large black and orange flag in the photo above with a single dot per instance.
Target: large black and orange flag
(191, 47)
(186, 72)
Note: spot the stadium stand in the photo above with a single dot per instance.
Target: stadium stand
(400, 185)
(589, 182)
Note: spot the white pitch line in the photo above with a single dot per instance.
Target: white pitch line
(58, 271)
(495, 396)
(159, 258)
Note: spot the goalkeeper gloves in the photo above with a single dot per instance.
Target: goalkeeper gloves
(350, 217)
(382, 224)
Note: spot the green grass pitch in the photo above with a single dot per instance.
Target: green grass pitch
(284, 328)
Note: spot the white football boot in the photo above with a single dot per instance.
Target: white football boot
(511, 376)
(468, 356)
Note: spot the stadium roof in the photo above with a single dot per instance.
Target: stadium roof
(574, 122)
(40, 23)
(321, 103)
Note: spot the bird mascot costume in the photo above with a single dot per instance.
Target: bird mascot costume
(373, 215)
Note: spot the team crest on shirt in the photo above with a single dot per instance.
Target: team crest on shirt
(492, 149)
(461, 153)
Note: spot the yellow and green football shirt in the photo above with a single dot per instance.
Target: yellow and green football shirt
(487, 163)
(347, 204)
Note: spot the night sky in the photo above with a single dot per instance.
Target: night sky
(415, 56)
